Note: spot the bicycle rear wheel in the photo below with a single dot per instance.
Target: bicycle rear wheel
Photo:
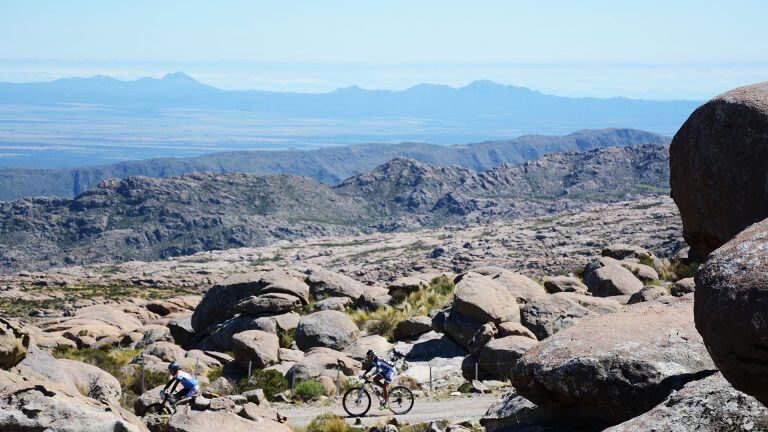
(356, 401)
(400, 400)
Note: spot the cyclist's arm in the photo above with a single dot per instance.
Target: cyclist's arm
(173, 381)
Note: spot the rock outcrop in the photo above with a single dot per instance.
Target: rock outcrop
(731, 294)
(42, 406)
(640, 354)
(707, 405)
(14, 342)
(718, 169)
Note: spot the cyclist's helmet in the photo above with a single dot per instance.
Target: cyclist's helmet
(370, 354)
(173, 367)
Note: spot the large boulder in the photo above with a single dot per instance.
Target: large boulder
(43, 406)
(519, 285)
(556, 284)
(611, 280)
(707, 405)
(260, 348)
(640, 354)
(325, 283)
(412, 327)
(459, 327)
(360, 347)
(268, 304)
(41, 366)
(14, 342)
(683, 287)
(731, 314)
(219, 302)
(400, 288)
(498, 357)
(95, 381)
(187, 420)
(220, 337)
(548, 315)
(718, 170)
(181, 329)
(323, 362)
(485, 300)
(329, 328)
(513, 412)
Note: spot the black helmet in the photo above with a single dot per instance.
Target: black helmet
(173, 367)
(370, 354)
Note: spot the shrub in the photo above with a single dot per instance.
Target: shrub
(286, 338)
(152, 379)
(271, 381)
(677, 269)
(308, 390)
(384, 320)
(329, 423)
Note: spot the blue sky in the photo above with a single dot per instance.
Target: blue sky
(652, 49)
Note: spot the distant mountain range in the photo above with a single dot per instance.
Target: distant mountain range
(77, 122)
(329, 165)
(147, 219)
(479, 101)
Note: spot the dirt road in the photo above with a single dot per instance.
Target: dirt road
(424, 410)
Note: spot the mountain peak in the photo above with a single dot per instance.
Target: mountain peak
(483, 85)
(179, 77)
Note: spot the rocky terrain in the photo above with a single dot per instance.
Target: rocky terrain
(327, 165)
(145, 219)
(569, 323)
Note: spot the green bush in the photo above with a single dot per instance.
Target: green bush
(215, 373)
(329, 423)
(384, 320)
(271, 381)
(286, 338)
(308, 390)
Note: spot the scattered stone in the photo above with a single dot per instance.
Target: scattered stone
(556, 284)
(683, 287)
(648, 293)
(510, 328)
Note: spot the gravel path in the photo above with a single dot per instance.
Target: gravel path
(424, 410)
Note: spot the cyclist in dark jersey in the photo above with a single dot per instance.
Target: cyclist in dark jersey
(383, 374)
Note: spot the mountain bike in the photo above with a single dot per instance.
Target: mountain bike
(357, 400)
(167, 406)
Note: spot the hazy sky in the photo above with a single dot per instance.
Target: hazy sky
(648, 48)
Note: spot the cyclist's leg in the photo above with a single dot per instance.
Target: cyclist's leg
(387, 380)
(194, 391)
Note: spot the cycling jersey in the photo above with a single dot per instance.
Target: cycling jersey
(187, 381)
(386, 370)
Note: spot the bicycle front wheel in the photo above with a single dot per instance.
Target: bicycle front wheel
(400, 400)
(159, 408)
(357, 401)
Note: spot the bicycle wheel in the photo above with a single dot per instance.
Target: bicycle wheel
(158, 408)
(357, 401)
(400, 400)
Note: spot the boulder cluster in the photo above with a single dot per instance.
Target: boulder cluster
(718, 177)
